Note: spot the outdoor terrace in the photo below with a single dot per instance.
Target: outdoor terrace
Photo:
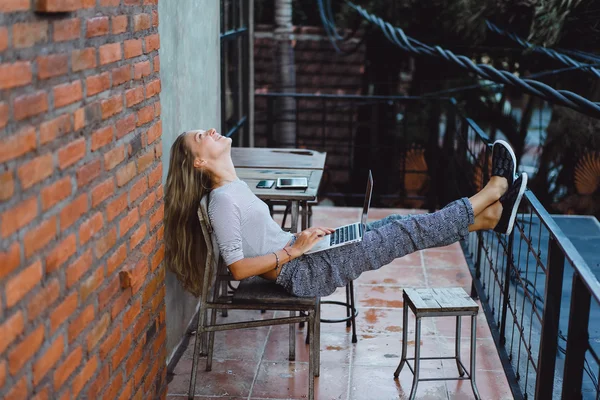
(253, 363)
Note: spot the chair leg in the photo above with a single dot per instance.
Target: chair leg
(404, 340)
(204, 339)
(211, 340)
(312, 356)
(348, 309)
(473, 356)
(292, 341)
(353, 311)
(413, 390)
(317, 339)
(197, 347)
(461, 371)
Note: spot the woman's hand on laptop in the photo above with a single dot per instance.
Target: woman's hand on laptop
(309, 237)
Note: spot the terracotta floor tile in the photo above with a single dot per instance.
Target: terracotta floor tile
(491, 385)
(378, 296)
(395, 274)
(234, 345)
(487, 358)
(376, 321)
(449, 277)
(227, 378)
(446, 326)
(290, 381)
(386, 350)
(434, 258)
(373, 382)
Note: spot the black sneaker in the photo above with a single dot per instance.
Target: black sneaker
(510, 204)
(504, 162)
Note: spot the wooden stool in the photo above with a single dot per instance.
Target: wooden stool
(441, 302)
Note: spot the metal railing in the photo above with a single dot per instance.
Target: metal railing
(534, 286)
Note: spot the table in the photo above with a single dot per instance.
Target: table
(259, 157)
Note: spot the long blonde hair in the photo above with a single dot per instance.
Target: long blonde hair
(185, 248)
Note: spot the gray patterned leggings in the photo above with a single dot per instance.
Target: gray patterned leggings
(319, 274)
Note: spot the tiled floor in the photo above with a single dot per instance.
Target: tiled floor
(253, 364)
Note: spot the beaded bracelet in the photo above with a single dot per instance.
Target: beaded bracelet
(289, 255)
(277, 262)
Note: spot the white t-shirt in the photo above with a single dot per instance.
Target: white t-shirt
(242, 223)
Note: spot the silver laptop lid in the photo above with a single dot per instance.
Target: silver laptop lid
(367, 204)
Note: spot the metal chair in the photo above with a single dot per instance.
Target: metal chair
(252, 294)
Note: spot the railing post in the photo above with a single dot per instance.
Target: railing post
(577, 339)
(549, 340)
(505, 295)
(270, 137)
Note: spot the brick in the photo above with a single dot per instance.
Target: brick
(78, 268)
(71, 212)
(88, 172)
(97, 26)
(128, 221)
(48, 359)
(134, 96)
(84, 376)
(152, 42)
(121, 351)
(43, 299)
(42, 394)
(135, 357)
(40, 236)
(71, 153)
(18, 216)
(116, 259)
(114, 388)
(147, 203)
(154, 18)
(67, 93)
(103, 191)
(83, 59)
(145, 115)
(133, 48)
(28, 34)
(18, 144)
(109, 3)
(154, 132)
(126, 394)
(35, 171)
(155, 176)
(65, 370)
(88, 3)
(121, 75)
(79, 119)
(141, 70)
(67, 29)
(113, 157)
(157, 109)
(9, 260)
(119, 24)
(15, 74)
(132, 2)
(10, 329)
(110, 53)
(119, 304)
(56, 192)
(58, 6)
(101, 378)
(90, 227)
(152, 88)
(157, 217)
(63, 312)
(3, 45)
(59, 126)
(93, 113)
(61, 253)
(97, 83)
(102, 137)
(18, 391)
(91, 284)
(80, 323)
(138, 189)
(156, 63)
(52, 65)
(23, 352)
(106, 242)
(141, 324)
(3, 114)
(110, 342)
(106, 294)
(22, 283)
(2, 373)
(140, 372)
(125, 125)
(98, 331)
(145, 160)
(157, 258)
(8, 6)
(7, 185)
(125, 174)
(112, 106)
(142, 22)
(28, 105)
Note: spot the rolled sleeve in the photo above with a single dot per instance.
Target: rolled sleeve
(226, 220)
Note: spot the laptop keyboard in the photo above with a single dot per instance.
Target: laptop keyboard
(343, 234)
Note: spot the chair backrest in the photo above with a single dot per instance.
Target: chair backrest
(213, 258)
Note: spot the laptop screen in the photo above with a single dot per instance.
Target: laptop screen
(363, 219)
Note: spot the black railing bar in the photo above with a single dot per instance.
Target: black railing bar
(237, 126)
(233, 33)
(571, 253)
(531, 300)
(531, 249)
(350, 96)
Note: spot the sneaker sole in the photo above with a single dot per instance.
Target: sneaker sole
(512, 155)
(513, 214)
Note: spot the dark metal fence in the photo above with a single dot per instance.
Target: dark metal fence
(534, 286)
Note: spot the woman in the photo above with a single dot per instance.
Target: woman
(251, 243)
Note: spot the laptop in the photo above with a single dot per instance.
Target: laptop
(347, 234)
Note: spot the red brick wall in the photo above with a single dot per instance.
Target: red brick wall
(81, 277)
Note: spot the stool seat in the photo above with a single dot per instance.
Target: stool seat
(438, 302)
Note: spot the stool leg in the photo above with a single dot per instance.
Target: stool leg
(353, 311)
(404, 340)
(413, 390)
(473, 354)
(461, 371)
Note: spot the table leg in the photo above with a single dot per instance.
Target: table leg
(413, 390)
(473, 354)
(461, 372)
(404, 338)
(295, 211)
(305, 215)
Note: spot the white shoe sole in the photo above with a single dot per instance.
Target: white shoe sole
(513, 214)
(512, 155)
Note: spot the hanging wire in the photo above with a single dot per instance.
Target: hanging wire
(548, 52)
(540, 89)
